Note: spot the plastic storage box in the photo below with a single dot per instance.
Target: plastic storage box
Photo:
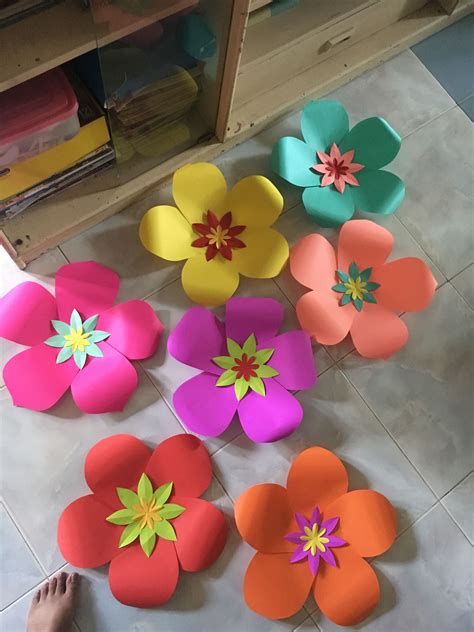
(35, 116)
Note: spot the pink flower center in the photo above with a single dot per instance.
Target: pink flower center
(337, 168)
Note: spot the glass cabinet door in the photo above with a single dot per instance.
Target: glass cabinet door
(157, 71)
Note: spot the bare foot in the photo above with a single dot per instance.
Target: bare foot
(52, 607)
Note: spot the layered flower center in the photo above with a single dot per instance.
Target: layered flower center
(77, 339)
(218, 236)
(355, 286)
(337, 168)
(146, 514)
(314, 541)
(245, 367)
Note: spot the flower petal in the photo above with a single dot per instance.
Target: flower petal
(323, 318)
(184, 460)
(141, 581)
(377, 332)
(363, 242)
(198, 188)
(201, 532)
(196, 339)
(252, 510)
(117, 461)
(293, 359)
(292, 159)
(275, 588)
(327, 206)
(166, 233)
(406, 285)
(347, 593)
(105, 384)
(26, 313)
(262, 317)
(35, 380)
(367, 521)
(209, 283)
(254, 202)
(134, 329)
(85, 538)
(203, 407)
(316, 477)
(378, 192)
(324, 122)
(264, 256)
(87, 286)
(272, 417)
(313, 263)
(375, 142)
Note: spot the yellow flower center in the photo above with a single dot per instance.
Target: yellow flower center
(314, 539)
(356, 288)
(77, 339)
(218, 236)
(146, 512)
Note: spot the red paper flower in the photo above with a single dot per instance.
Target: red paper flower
(142, 575)
(218, 235)
(312, 537)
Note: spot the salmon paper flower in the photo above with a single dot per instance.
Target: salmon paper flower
(220, 233)
(144, 516)
(357, 291)
(246, 368)
(78, 339)
(312, 536)
(339, 169)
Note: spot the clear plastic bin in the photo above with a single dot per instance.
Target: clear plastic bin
(35, 116)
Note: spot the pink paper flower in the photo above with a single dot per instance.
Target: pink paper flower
(247, 368)
(78, 340)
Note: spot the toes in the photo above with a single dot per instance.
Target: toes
(44, 591)
(52, 586)
(72, 581)
(36, 597)
(61, 586)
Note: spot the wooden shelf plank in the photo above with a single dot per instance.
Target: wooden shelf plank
(50, 38)
(324, 77)
(269, 37)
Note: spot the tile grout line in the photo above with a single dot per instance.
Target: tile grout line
(460, 295)
(387, 431)
(24, 538)
(461, 271)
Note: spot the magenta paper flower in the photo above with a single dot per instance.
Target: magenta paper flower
(78, 340)
(247, 368)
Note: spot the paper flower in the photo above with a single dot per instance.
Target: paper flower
(144, 516)
(247, 368)
(221, 234)
(357, 291)
(78, 340)
(326, 161)
(312, 536)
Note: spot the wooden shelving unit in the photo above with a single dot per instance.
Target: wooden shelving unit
(65, 31)
(270, 67)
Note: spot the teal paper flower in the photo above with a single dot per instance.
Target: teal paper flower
(339, 169)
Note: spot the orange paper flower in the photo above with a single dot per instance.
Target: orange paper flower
(357, 524)
(355, 290)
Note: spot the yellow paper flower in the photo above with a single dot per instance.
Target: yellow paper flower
(221, 233)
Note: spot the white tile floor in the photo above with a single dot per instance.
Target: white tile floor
(402, 426)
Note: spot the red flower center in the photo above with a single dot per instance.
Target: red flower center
(245, 367)
(218, 236)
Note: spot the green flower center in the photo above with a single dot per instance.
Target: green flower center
(355, 286)
(146, 514)
(77, 339)
(245, 367)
